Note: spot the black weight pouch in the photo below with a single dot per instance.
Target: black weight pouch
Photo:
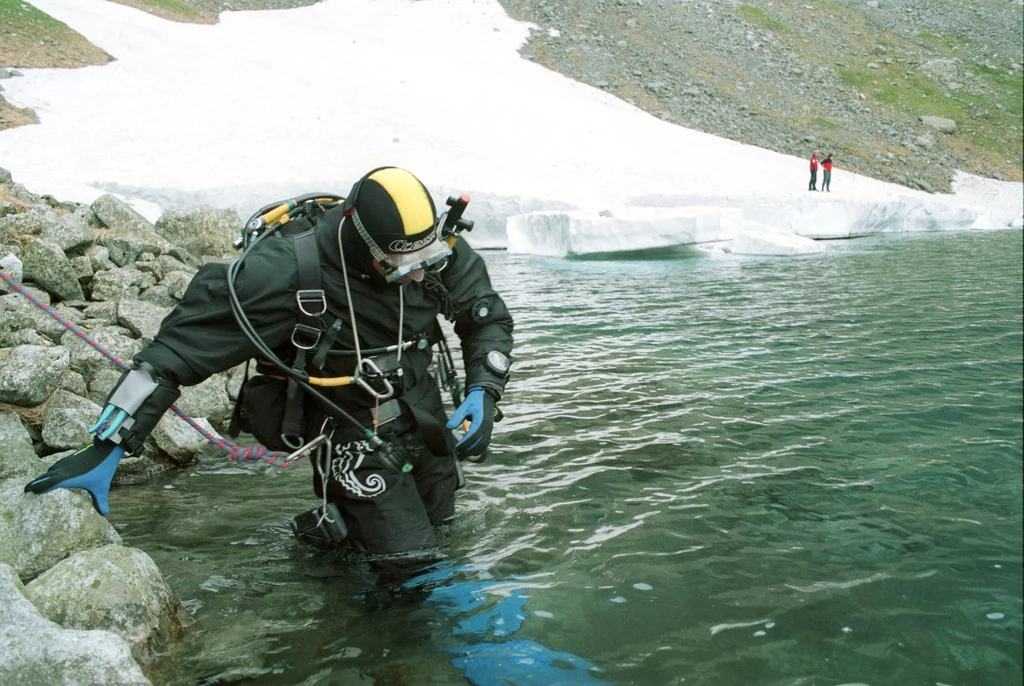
(260, 411)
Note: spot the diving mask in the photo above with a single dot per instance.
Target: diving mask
(401, 256)
(430, 258)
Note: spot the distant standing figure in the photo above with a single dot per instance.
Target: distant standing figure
(826, 175)
(813, 185)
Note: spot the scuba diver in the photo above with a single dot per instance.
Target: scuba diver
(337, 300)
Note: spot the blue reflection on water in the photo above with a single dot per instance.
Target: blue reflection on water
(505, 663)
(523, 663)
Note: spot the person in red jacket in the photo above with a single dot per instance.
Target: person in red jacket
(813, 185)
(826, 175)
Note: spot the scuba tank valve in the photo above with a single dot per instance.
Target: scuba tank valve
(275, 215)
(454, 224)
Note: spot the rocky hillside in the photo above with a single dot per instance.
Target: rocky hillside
(852, 77)
(902, 90)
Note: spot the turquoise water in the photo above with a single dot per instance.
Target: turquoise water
(711, 471)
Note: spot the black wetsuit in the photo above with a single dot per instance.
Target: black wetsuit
(386, 512)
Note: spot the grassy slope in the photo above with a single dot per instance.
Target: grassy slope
(988, 107)
(30, 38)
(174, 10)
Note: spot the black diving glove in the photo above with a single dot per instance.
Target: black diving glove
(393, 457)
(479, 409)
(91, 468)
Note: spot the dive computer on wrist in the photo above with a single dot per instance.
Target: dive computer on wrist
(497, 363)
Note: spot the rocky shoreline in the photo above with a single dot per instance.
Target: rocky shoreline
(77, 606)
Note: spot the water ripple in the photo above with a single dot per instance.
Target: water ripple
(725, 471)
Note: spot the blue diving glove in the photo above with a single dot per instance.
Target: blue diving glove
(479, 409)
(91, 468)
